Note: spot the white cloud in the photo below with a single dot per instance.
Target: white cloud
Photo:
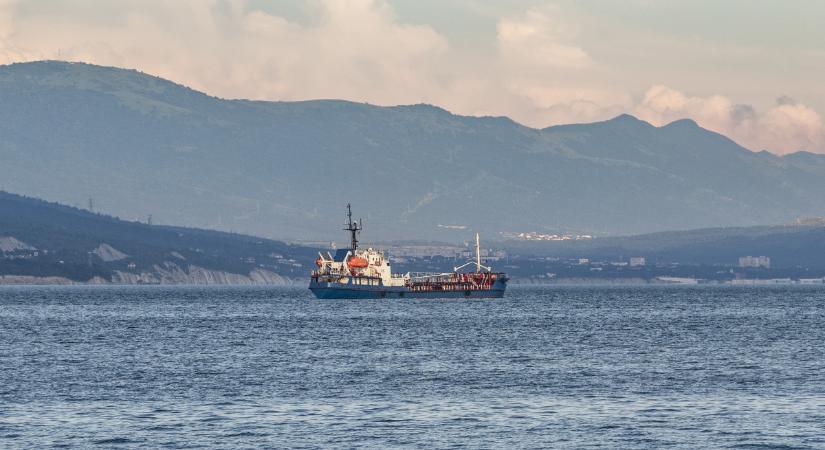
(539, 40)
(783, 128)
(536, 71)
(790, 127)
(543, 69)
(357, 50)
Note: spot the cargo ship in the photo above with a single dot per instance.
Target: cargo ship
(366, 273)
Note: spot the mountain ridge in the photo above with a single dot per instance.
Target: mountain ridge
(142, 145)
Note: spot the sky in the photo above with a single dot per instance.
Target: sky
(750, 69)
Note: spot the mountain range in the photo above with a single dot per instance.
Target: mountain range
(138, 145)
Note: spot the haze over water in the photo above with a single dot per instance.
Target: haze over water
(615, 367)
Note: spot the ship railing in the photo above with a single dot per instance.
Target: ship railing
(332, 271)
(429, 275)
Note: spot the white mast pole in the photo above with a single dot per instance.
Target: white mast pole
(478, 255)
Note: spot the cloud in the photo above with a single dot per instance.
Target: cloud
(353, 49)
(537, 39)
(790, 127)
(356, 50)
(542, 70)
(784, 128)
(535, 71)
(662, 105)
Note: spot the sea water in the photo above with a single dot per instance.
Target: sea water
(552, 367)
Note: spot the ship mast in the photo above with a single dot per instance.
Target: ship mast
(477, 262)
(354, 228)
(478, 255)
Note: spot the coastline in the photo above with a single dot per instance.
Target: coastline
(166, 276)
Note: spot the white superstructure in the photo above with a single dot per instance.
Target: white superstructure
(369, 264)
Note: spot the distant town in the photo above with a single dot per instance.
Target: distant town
(531, 269)
(536, 236)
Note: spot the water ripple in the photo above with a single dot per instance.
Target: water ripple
(629, 367)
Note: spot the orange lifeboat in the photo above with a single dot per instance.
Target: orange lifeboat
(357, 262)
(319, 262)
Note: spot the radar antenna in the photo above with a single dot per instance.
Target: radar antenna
(354, 228)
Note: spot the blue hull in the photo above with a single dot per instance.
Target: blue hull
(349, 291)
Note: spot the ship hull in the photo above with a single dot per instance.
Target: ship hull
(348, 291)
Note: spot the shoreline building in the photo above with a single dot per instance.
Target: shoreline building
(755, 261)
